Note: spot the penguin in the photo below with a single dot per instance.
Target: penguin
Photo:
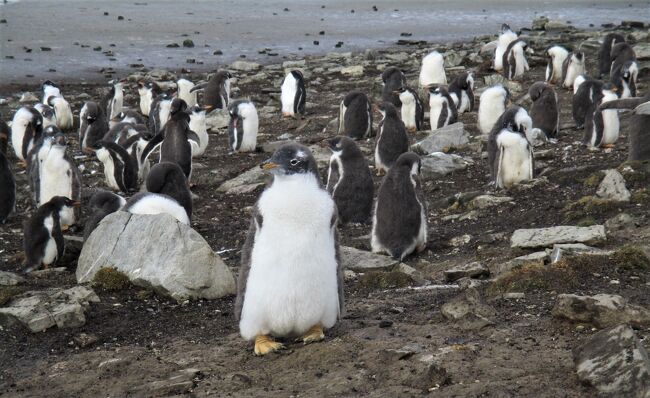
(492, 104)
(412, 110)
(156, 203)
(112, 103)
(442, 110)
(578, 81)
(160, 112)
(26, 128)
(198, 125)
(7, 181)
(93, 126)
(399, 221)
(639, 126)
(432, 71)
(556, 57)
(184, 87)
(624, 78)
(572, 67)
(57, 175)
(349, 181)
(122, 131)
(510, 157)
(173, 139)
(120, 169)
(516, 119)
(52, 96)
(622, 53)
(147, 91)
(544, 111)
(36, 156)
(461, 91)
(392, 140)
(130, 116)
(291, 279)
(393, 80)
(588, 92)
(135, 145)
(46, 111)
(294, 95)
(216, 91)
(514, 59)
(243, 126)
(355, 116)
(43, 238)
(101, 204)
(602, 128)
(605, 53)
(167, 178)
(506, 37)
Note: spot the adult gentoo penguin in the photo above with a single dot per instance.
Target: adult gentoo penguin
(120, 169)
(216, 91)
(93, 126)
(492, 104)
(412, 110)
(432, 71)
(290, 280)
(184, 92)
(602, 128)
(101, 204)
(556, 57)
(43, 239)
(392, 140)
(442, 110)
(514, 59)
(147, 91)
(461, 91)
(572, 67)
(7, 181)
(349, 181)
(26, 129)
(294, 95)
(198, 125)
(355, 116)
(393, 80)
(605, 53)
(545, 111)
(399, 222)
(624, 78)
(506, 37)
(160, 112)
(52, 96)
(586, 97)
(167, 178)
(510, 157)
(243, 126)
(639, 126)
(112, 103)
(47, 112)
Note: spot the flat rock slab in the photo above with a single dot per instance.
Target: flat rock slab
(361, 260)
(537, 258)
(41, 310)
(10, 279)
(158, 252)
(546, 237)
(485, 201)
(440, 164)
(451, 136)
(601, 310)
(245, 66)
(245, 182)
(615, 362)
(217, 119)
(470, 270)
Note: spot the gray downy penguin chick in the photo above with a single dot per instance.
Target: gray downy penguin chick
(572, 67)
(624, 78)
(101, 204)
(93, 126)
(492, 104)
(605, 53)
(355, 116)
(112, 103)
(349, 181)
(556, 57)
(293, 227)
(167, 178)
(243, 126)
(392, 140)
(52, 96)
(514, 59)
(43, 240)
(602, 128)
(585, 100)
(393, 80)
(293, 94)
(399, 224)
(35, 159)
(545, 111)
(198, 126)
(442, 110)
(622, 53)
(7, 181)
(412, 110)
(147, 91)
(461, 91)
(47, 112)
(26, 129)
(639, 126)
(216, 91)
(514, 120)
(120, 169)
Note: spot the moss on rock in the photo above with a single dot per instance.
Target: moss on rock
(631, 257)
(9, 292)
(385, 280)
(111, 279)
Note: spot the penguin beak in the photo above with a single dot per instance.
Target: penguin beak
(76, 203)
(268, 165)
(207, 108)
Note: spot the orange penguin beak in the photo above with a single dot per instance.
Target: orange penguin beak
(76, 203)
(269, 166)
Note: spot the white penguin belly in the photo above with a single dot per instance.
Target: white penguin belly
(17, 136)
(379, 164)
(515, 165)
(51, 252)
(157, 204)
(289, 88)
(55, 181)
(335, 158)
(436, 103)
(464, 102)
(488, 116)
(408, 116)
(202, 133)
(145, 101)
(610, 126)
(249, 138)
(109, 168)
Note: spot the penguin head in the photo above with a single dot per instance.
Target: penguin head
(609, 89)
(163, 174)
(57, 203)
(340, 144)
(387, 109)
(106, 200)
(536, 89)
(297, 74)
(178, 105)
(578, 56)
(291, 159)
(51, 131)
(505, 28)
(409, 162)
(48, 83)
(59, 140)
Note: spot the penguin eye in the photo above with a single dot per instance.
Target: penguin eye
(294, 162)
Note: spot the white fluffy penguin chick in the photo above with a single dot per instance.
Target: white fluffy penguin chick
(513, 159)
(556, 57)
(290, 279)
(183, 87)
(243, 126)
(492, 104)
(432, 71)
(198, 125)
(506, 37)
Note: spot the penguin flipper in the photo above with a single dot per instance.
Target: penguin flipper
(191, 135)
(332, 176)
(57, 234)
(499, 172)
(246, 260)
(151, 146)
(339, 264)
(198, 87)
(342, 109)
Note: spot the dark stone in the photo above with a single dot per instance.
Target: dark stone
(120, 18)
(172, 45)
(188, 43)
(385, 323)
(316, 42)
(217, 52)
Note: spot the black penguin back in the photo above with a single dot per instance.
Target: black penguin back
(7, 186)
(393, 140)
(175, 147)
(544, 112)
(168, 178)
(393, 80)
(358, 116)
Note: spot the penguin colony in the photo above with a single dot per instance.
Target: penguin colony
(290, 281)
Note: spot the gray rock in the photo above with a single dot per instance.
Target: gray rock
(536, 137)
(562, 250)
(361, 261)
(294, 64)
(642, 50)
(615, 362)
(555, 25)
(217, 119)
(398, 57)
(439, 164)
(485, 201)
(245, 182)
(539, 22)
(451, 136)
(10, 279)
(41, 310)
(619, 222)
(546, 237)
(468, 311)
(469, 270)
(245, 66)
(412, 273)
(28, 97)
(537, 258)
(613, 187)
(454, 58)
(170, 257)
(601, 310)
(354, 71)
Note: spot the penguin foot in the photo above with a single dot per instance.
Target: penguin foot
(286, 115)
(265, 344)
(22, 163)
(607, 146)
(65, 228)
(314, 334)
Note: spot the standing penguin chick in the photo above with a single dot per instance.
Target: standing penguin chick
(602, 128)
(399, 223)
(432, 71)
(93, 126)
(26, 129)
(412, 110)
(46, 111)
(638, 137)
(442, 110)
(101, 204)
(572, 67)
(294, 95)
(624, 78)
(622, 53)
(461, 91)
(184, 89)
(355, 116)
(492, 104)
(120, 169)
(545, 111)
(147, 91)
(514, 59)
(198, 125)
(216, 91)
(243, 126)
(393, 80)
(290, 280)
(586, 97)
(113, 102)
(506, 37)
(349, 181)
(7, 181)
(43, 239)
(392, 140)
(605, 53)
(160, 113)
(556, 57)
(510, 157)
(52, 96)
(167, 178)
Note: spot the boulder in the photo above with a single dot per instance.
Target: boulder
(10, 279)
(555, 25)
(41, 310)
(439, 164)
(539, 22)
(245, 66)
(158, 252)
(361, 260)
(615, 362)
(450, 136)
(546, 237)
(601, 310)
(561, 250)
(468, 311)
(28, 97)
(612, 187)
